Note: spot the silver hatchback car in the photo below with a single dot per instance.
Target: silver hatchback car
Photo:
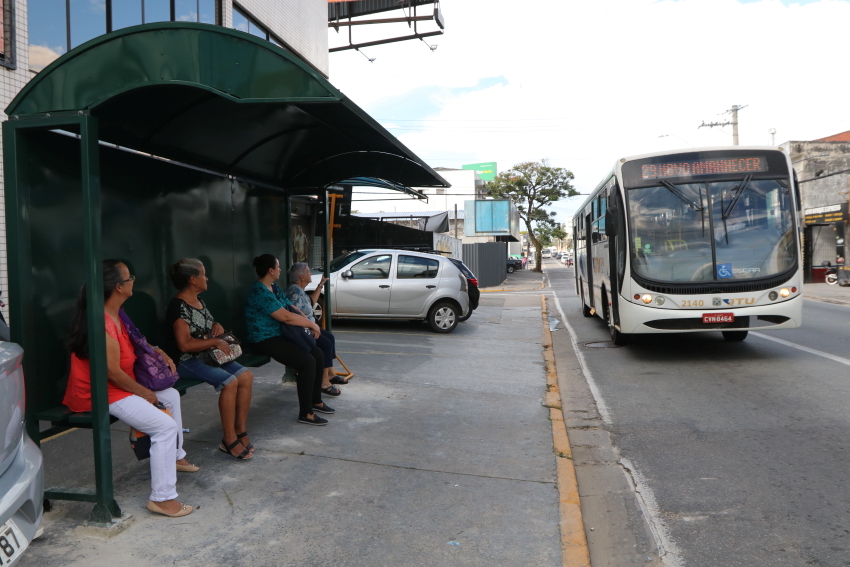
(398, 284)
(21, 468)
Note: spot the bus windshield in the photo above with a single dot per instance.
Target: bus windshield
(712, 231)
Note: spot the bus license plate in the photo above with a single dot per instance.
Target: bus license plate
(12, 543)
(718, 317)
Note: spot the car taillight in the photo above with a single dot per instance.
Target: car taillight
(463, 285)
(473, 281)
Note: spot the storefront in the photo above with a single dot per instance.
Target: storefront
(823, 241)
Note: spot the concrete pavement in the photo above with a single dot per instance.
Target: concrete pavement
(440, 454)
(827, 293)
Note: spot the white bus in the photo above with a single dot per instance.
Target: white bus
(689, 241)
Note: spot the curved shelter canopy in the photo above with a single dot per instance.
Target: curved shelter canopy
(223, 100)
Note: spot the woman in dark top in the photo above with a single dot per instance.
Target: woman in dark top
(191, 325)
(265, 310)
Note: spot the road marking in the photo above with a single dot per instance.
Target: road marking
(588, 376)
(574, 548)
(832, 357)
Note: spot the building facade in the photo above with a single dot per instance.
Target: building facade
(823, 173)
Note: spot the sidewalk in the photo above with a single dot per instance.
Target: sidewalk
(828, 293)
(440, 454)
(521, 280)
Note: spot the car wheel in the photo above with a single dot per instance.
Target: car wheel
(511, 269)
(463, 318)
(735, 336)
(443, 317)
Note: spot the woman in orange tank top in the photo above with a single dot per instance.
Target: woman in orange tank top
(128, 400)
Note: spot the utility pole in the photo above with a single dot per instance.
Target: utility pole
(734, 122)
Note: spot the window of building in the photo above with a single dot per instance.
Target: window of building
(7, 37)
(57, 26)
(242, 21)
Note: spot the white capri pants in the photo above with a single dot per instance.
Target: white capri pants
(166, 437)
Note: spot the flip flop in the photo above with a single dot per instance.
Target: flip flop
(338, 380)
(185, 510)
(187, 468)
(332, 391)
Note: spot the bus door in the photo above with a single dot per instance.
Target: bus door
(615, 229)
(588, 263)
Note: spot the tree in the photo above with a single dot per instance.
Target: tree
(533, 186)
(547, 234)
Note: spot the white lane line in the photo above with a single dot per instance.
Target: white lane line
(838, 359)
(591, 383)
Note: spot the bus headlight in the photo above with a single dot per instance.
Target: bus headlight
(659, 301)
(773, 295)
(646, 298)
(784, 292)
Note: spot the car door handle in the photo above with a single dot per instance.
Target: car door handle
(383, 286)
(430, 286)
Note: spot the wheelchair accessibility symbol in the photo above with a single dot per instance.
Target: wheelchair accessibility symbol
(724, 270)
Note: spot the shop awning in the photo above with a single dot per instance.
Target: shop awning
(222, 100)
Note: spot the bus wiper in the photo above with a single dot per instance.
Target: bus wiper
(678, 192)
(739, 190)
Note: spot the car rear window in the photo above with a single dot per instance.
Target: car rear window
(416, 267)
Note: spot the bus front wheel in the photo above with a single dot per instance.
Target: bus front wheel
(618, 338)
(735, 336)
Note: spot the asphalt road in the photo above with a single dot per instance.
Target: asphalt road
(740, 449)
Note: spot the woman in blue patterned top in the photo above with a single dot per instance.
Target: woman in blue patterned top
(265, 310)
(300, 276)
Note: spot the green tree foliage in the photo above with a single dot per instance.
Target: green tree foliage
(547, 234)
(534, 186)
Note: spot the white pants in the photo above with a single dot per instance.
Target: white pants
(166, 437)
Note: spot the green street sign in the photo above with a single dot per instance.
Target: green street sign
(486, 170)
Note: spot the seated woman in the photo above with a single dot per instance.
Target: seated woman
(129, 401)
(299, 275)
(265, 310)
(193, 330)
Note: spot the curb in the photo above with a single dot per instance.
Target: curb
(574, 548)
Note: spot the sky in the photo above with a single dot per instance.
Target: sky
(584, 83)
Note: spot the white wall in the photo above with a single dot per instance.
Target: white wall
(302, 24)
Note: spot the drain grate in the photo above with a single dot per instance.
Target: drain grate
(606, 344)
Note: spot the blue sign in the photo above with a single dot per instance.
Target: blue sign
(724, 270)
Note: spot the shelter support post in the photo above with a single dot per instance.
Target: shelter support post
(327, 263)
(20, 296)
(105, 506)
(286, 261)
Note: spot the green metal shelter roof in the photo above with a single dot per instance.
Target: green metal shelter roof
(222, 100)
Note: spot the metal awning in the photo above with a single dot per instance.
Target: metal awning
(222, 100)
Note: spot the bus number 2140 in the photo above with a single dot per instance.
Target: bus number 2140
(695, 303)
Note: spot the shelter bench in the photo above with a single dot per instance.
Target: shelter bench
(62, 419)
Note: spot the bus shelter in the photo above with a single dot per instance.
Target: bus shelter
(153, 143)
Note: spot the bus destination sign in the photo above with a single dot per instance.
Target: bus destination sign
(703, 167)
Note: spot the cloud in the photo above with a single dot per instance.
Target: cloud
(40, 56)
(585, 83)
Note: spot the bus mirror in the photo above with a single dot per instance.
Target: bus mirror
(610, 223)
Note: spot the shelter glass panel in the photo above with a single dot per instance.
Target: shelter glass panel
(126, 13)
(88, 20)
(48, 38)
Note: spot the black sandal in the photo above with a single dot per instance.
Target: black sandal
(332, 391)
(241, 456)
(249, 446)
(338, 380)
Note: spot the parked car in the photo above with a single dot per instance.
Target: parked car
(514, 264)
(398, 284)
(21, 465)
(474, 292)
